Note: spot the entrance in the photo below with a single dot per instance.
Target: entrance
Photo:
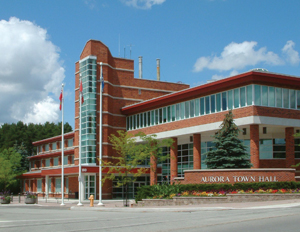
(90, 186)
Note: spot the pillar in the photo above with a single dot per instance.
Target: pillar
(197, 151)
(289, 147)
(173, 160)
(254, 145)
(153, 170)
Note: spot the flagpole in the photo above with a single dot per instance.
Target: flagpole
(79, 176)
(62, 146)
(100, 138)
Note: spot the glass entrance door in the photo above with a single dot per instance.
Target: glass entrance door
(90, 186)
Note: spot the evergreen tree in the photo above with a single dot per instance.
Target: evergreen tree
(229, 152)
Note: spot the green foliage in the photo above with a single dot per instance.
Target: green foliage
(162, 190)
(166, 190)
(20, 134)
(229, 152)
(10, 162)
(129, 155)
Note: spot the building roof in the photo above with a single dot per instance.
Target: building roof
(54, 139)
(253, 76)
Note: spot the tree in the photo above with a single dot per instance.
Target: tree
(10, 163)
(153, 148)
(229, 152)
(131, 159)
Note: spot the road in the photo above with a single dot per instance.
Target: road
(62, 219)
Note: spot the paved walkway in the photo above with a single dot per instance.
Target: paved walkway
(118, 205)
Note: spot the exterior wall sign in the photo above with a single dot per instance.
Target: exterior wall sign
(224, 179)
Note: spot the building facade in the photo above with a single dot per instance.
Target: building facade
(265, 107)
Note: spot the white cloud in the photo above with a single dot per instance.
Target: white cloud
(290, 54)
(143, 4)
(237, 56)
(31, 73)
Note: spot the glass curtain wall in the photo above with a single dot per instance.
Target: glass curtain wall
(88, 71)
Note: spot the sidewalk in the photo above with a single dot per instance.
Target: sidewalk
(118, 205)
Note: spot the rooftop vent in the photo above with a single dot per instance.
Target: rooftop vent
(259, 70)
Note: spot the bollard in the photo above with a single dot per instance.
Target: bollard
(91, 198)
(19, 197)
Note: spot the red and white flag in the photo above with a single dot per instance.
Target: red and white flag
(80, 90)
(60, 99)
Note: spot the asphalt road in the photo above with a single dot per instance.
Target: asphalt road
(62, 219)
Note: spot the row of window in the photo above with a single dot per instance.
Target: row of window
(240, 97)
(55, 162)
(57, 185)
(53, 146)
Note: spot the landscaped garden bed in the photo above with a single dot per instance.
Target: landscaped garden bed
(177, 194)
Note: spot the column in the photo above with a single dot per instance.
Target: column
(153, 170)
(197, 151)
(46, 186)
(254, 145)
(289, 147)
(173, 160)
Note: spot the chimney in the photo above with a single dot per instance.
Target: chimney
(158, 69)
(140, 67)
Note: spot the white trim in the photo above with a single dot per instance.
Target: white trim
(121, 98)
(88, 57)
(274, 121)
(114, 127)
(121, 69)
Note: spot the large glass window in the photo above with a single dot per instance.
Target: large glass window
(230, 100)
(70, 142)
(55, 161)
(249, 95)
(243, 96)
(218, 100)
(65, 160)
(278, 97)
(266, 149)
(47, 163)
(236, 98)
(169, 113)
(192, 108)
(292, 99)
(54, 146)
(187, 109)
(205, 147)
(202, 105)
(177, 111)
(264, 98)
(207, 105)
(47, 147)
(197, 107)
(173, 113)
(257, 95)
(182, 113)
(271, 96)
(224, 101)
(185, 158)
(285, 93)
(212, 103)
(298, 99)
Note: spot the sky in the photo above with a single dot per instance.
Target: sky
(195, 40)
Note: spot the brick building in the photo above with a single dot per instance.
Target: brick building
(265, 105)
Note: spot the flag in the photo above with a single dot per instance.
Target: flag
(60, 99)
(80, 90)
(102, 82)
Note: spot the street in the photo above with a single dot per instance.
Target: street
(22, 218)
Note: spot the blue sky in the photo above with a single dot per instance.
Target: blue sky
(196, 40)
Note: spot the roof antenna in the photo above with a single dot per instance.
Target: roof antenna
(130, 49)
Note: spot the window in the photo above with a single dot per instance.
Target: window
(236, 93)
(187, 109)
(224, 101)
(169, 114)
(70, 142)
(243, 96)
(65, 160)
(257, 94)
(212, 103)
(192, 108)
(72, 159)
(278, 97)
(197, 107)
(160, 116)
(230, 101)
(39, 185)
(54, 146)
(177, 111)
(173, 113)
(47, 147)
(265, 149)
(185, 158)
(207, 105)
(58, 185)
(298, 99)
(278, 148)
(271, 96)
(292, 99)
(297, 148)
(47, 163)
(202, 106)
(182, 113)
(218, 100)
(55, 161)
(164, 116)
(285, 94)
(205, 147)
(249, 95)
(264, 98)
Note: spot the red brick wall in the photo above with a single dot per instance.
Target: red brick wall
(289, 146)
(197, 151)
(254, 145)
(237, 175)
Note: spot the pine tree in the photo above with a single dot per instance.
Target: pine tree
(230, 151)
